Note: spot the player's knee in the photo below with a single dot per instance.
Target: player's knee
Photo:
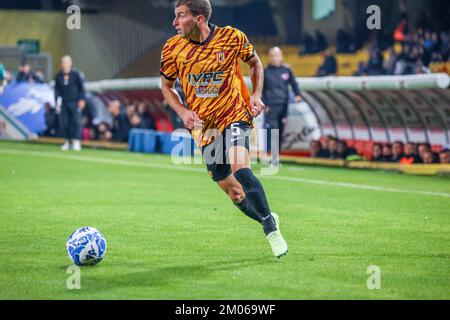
(236, 194)
(236, 167)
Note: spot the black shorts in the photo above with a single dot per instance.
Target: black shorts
(215, 154)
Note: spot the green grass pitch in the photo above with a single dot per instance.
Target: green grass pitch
(173, 234)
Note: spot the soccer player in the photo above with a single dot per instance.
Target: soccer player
(205, 59)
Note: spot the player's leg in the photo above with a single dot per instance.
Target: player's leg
(237, 146)
(235, 192)
(220, 171)
(254, 192)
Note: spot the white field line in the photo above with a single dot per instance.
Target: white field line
(185, 168)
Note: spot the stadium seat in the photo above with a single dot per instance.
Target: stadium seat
(367, 150)
(142, 140)
(436, 148)
(351, 143)
(168, 141)
(359, 146)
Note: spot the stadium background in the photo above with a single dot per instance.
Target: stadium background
(118, 50)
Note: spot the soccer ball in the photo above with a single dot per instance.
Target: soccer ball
(86, 246)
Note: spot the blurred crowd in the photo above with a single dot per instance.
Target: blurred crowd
(24, 74)
(115, 126)
(397, 152)
(409, 153)
(410, 49)
(330, 148)
(410, 52)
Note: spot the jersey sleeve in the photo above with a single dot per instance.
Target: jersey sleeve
(168, 68)
(246, 51)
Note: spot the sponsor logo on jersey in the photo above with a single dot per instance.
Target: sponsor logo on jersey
(207, 84)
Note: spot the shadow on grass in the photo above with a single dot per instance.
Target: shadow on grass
(160, 276)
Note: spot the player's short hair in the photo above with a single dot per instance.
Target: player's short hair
(196, 7)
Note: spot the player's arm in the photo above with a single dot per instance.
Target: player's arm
(190, 118)
(257, 77)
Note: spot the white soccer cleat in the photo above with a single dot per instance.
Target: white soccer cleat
(65, 146)
(76, 145)
(277, 243)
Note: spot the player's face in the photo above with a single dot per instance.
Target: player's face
(184, 22)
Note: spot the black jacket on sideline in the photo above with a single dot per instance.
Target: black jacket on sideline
(276, 85)
(71, 91)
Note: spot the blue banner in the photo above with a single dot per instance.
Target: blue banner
(26, 102)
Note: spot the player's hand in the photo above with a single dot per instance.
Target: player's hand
(256, 104)
(81, 104)
(191, 119)
(298, 98)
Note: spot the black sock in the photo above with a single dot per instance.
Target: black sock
(246, 207)
(254, 192)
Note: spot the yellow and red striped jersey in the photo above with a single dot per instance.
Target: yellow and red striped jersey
(210, 77)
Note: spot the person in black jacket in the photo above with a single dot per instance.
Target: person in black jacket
(69, 87)
(277, 79)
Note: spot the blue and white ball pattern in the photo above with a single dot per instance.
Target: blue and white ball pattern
(86, 246)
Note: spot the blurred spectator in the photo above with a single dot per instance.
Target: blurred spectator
(445, 45)
(135, 121)
(397, 151)
(51, 121)
(314, 149)
(24, 74)
(69, 87)
(321, 42)
(308, 45)
(343, 151)
(387, 152)
(344, 42)
(329, 66)
(278, 78)
(402, 29)
(332, 148)
(38, 76)
(323, 152)
(444, 156)
(424, 148)
(375, 64)
(103, 132)
(130, 110)
(362, 69)
(410, 156)
(120, 123)
(87, 128)
(147, 121)
(428, 157)
(389, 65)
(377, 153)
